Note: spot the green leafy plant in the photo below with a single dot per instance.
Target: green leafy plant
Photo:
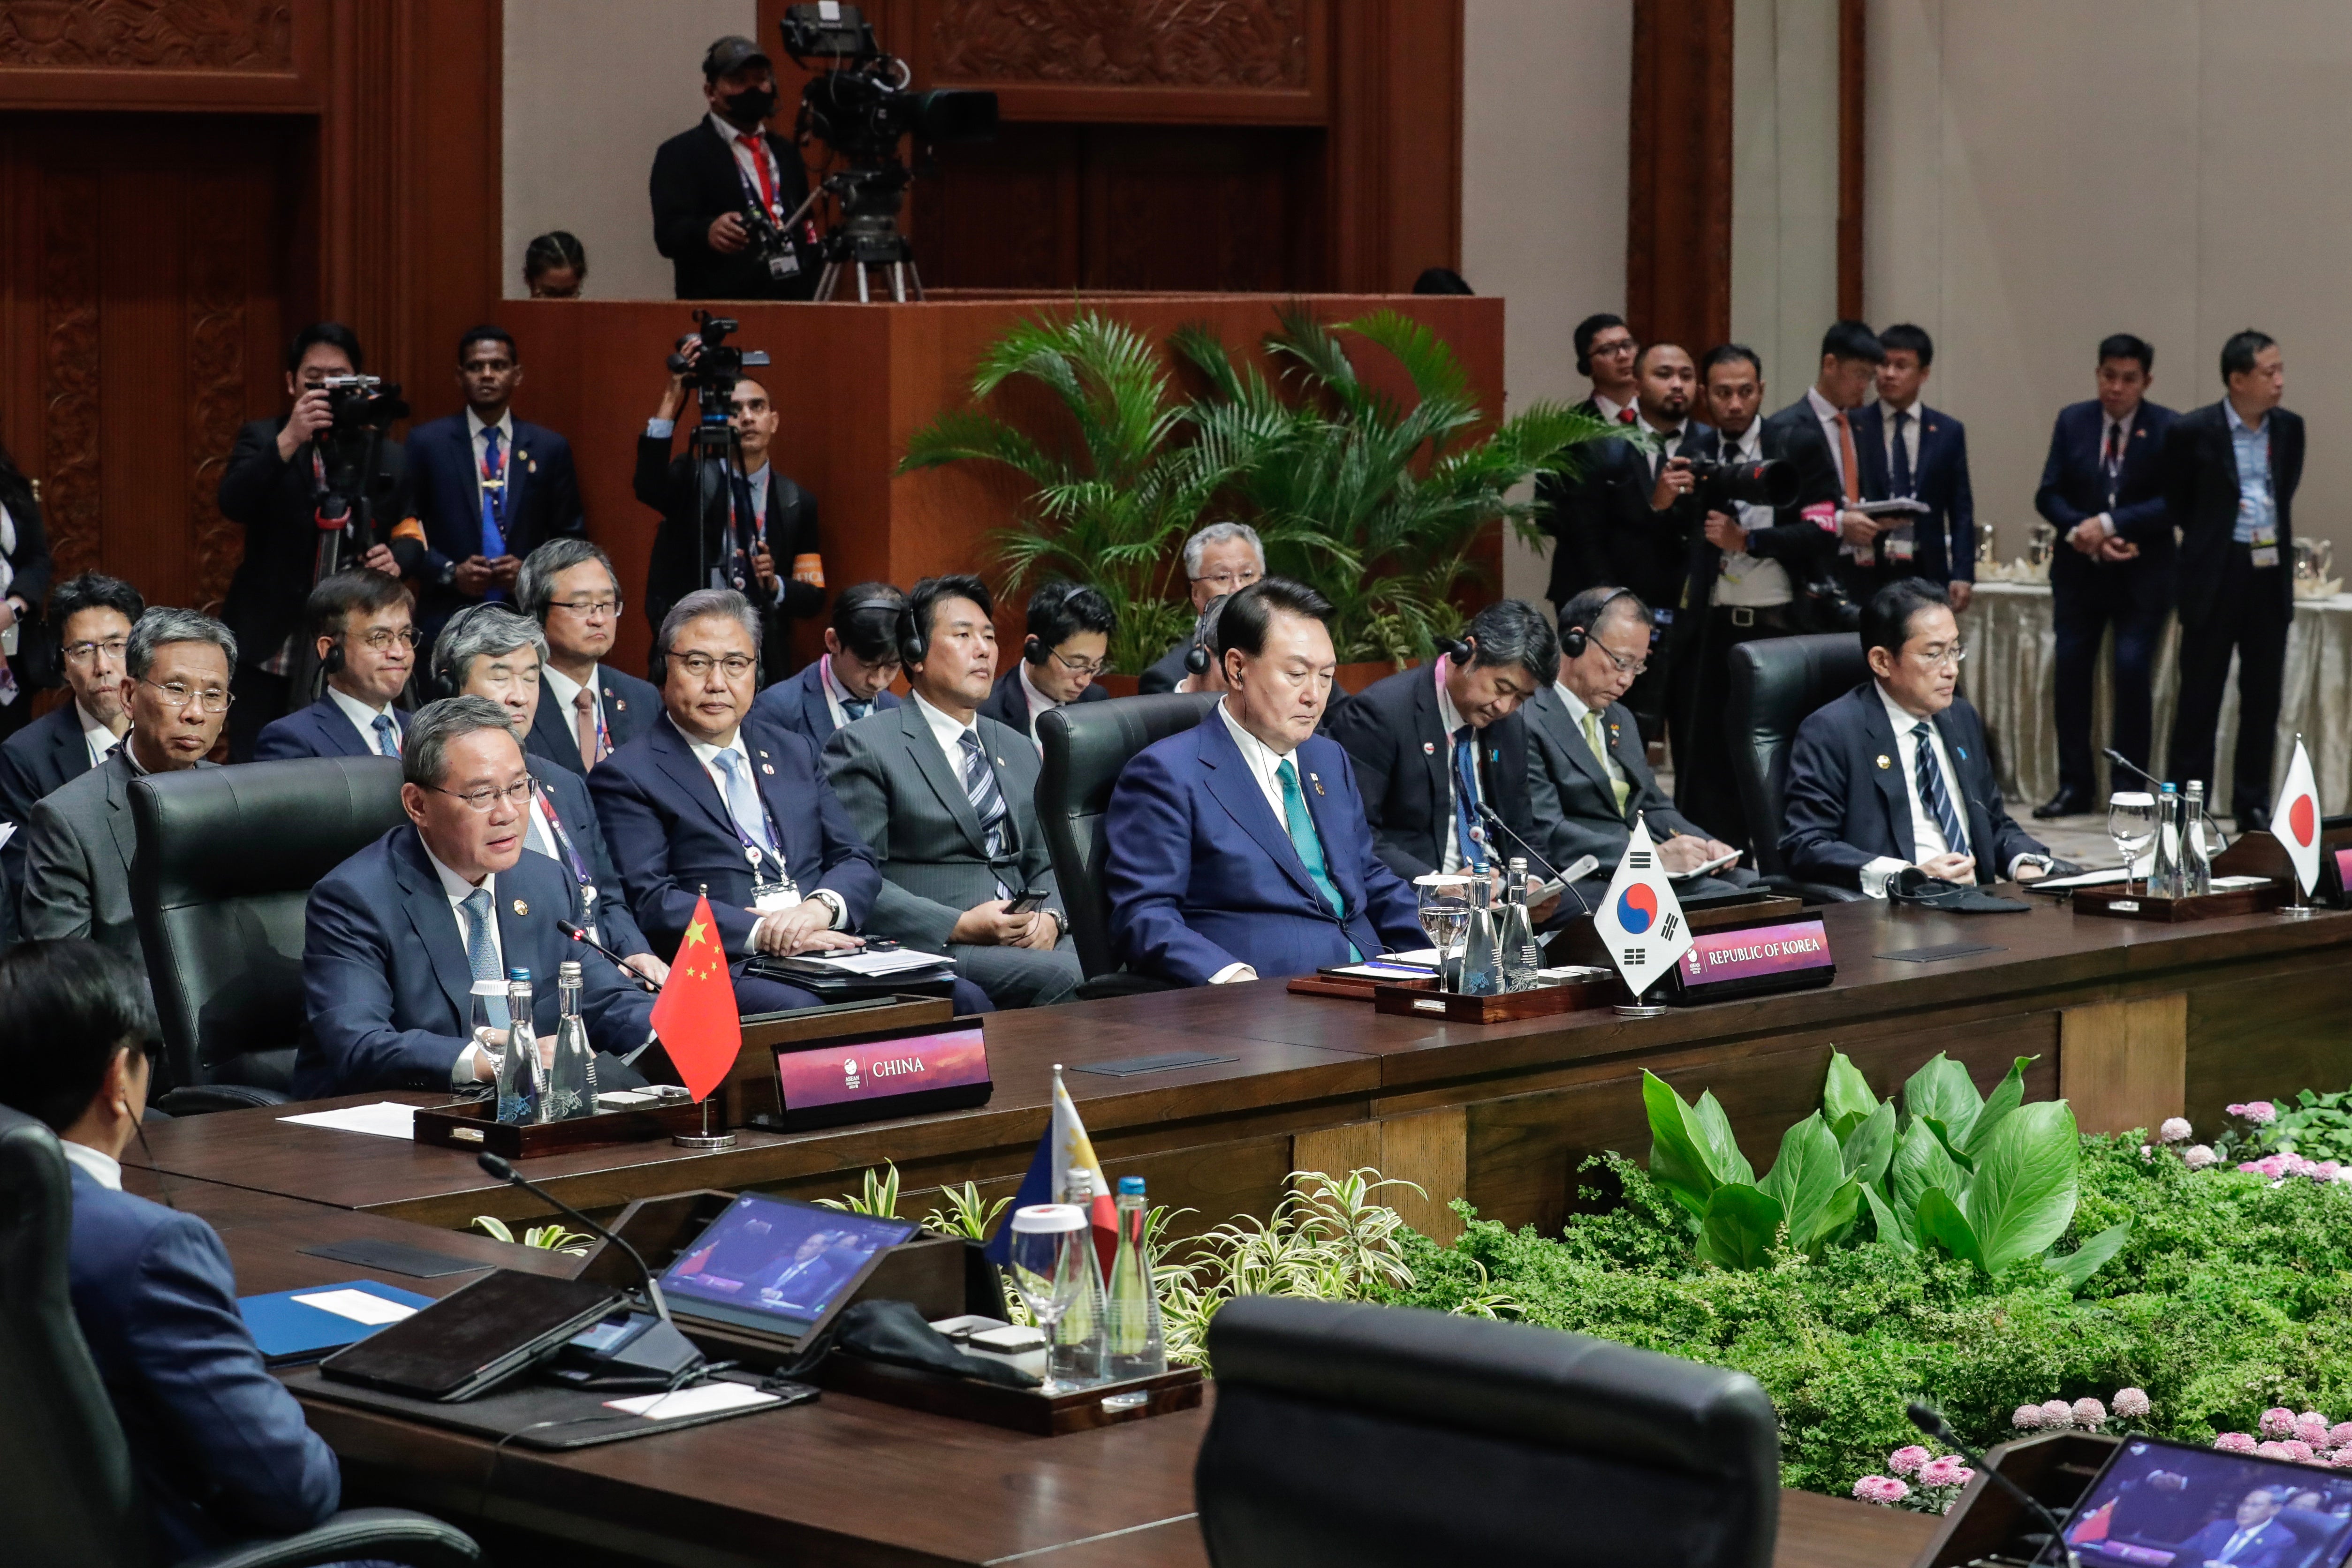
(2312, 1125)
(965, 1213)
(877, 1194)
(553, 1238)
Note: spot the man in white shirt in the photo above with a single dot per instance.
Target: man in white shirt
(367, 646)
(1606, 349)
(1851, 355)
(570, 587)
(1069, 628)
(707, 179)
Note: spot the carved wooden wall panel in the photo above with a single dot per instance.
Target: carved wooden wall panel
(68, 312)
(1255, 44)
(217, 296)
(148, 35)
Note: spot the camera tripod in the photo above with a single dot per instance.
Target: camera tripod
(867, 242)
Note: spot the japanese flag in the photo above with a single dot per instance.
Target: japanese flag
(1641, 921)
(2295, 822)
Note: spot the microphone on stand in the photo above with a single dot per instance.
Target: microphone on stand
(1582, 867)
(580, 934)
(1930, 1420)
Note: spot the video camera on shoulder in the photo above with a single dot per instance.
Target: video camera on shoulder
(1771, 482)
(715, 368)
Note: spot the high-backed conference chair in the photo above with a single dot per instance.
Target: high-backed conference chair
(1087, 744)
(221, 878)
(1776, 684)
(1367, 1436)
(66, 1479)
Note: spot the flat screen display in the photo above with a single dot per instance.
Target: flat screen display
(841, 1073)
(773, 1264)
(2158, 1505)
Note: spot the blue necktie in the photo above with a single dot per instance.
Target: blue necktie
(1932, 790)
(743, 805)
(980, 787)
(494, 537)
(1309, 845)
(1466, 798)
(1902, 458)
(482, 953)
(856, 710)
(387, 735)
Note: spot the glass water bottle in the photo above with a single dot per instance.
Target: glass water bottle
(1521, 956)
(522, 1080)
(1135, 1345)
(1076, 1351)
(571, 1076)
(1482, 957)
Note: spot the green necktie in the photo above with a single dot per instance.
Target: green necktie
(1601, 754)
(1303, 839)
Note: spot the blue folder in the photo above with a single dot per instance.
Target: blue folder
(287, 1332)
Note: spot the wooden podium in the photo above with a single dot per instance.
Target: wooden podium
(852, 382)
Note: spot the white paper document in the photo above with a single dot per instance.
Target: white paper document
(358, 1306)
(7, 831)
(890, 963)
(384, 1119)
(1416, 958)
(705, 1399)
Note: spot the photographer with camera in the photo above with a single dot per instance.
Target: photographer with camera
(758, 530)
(327, 457)
(722, 192)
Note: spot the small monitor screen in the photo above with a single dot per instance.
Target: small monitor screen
(773, 1264)
(2164, 1505)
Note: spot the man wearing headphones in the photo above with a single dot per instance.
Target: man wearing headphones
(1069, 628)
(851, 677)
(367, 647)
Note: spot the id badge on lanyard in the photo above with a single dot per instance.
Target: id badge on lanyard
(770, 894)
(2265, 546)
(785, 262)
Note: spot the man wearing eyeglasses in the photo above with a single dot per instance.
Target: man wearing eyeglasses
(79, 842)
(360, 623)
(1069, 628)
(1222, 559)
(1895, 774)
(589, 708)
(396, 938)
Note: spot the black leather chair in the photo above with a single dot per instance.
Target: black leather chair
(221, 878)
(1087, 744)
(66, 1478)
(1358, 1437)
(1776, 683)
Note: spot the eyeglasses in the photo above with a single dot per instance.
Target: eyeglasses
(212, 699)
(587, 609)
(83, 652)
(737, 666)
(1952, 653)
(1232, 580)
(1087, 667)
(1625, 662)
(382, 637)
(515, 794)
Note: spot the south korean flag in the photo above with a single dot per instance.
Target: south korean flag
(1641, 922)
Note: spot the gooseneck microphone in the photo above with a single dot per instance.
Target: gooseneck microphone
(580, 934)
(1930, 1420)
(2153, 782)
(500, 1170)
(1584, 866)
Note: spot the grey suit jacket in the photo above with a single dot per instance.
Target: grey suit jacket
(912, 810)
(78, 860)
(1571, 801)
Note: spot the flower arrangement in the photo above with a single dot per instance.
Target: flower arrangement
(2305, 1439)
(2281, 1162)
(2085, 1415)
(1936, 1481)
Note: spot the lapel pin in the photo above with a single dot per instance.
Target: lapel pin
(1883, 761)
(1963, 751)
(620, 703)
(521, 908)
(1000, 762)
(1315, 779)
(1429, 749)
(764, 753)
(767, 767)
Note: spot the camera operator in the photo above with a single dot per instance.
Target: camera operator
(272, 486)
(759, 529)
(707, 181)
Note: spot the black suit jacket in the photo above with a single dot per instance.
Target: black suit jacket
(1845, 809)
(46, 753)
(2074, 490)
(1168, 674)
(1945, 539)
(1404, 760)
(276, 504)
(2200, 496)
(1802, 545)
(542, 500)
(1607, 534)
(669, 485)
(630, 706)
(695, 179)
(1008, 704)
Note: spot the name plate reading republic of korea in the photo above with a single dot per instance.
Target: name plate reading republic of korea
(873, 1077)
(1754, 960)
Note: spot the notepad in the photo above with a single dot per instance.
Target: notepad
(704, 1399)
(863, 963)
(304, 1324)
(384, 1119)
(357, 1305)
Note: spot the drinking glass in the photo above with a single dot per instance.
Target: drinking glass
(1053, 1252)
(2131, 822)
(1444, 912)
(491, 1040)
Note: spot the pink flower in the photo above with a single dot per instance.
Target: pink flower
(1904, 1462)
(2297, 1450)
(2324, 1170)
(2250, 1166)
(2261, 1113)
(1945, 1471)
(2089, 1412)
(2273, 1166)
(2176, 1130)
(2234, 1443)
(2131, 1404)
(2197, 1157)
(2340, 1435)
(2028, 1417)
(2311, 1430)
(2273, 1450)
(1882, 1490)
(2277, 1421)
(2057, 1413)
(2341, 1458)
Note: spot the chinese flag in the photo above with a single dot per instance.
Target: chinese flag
(694, 1016)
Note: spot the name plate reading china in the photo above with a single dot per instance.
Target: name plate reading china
(872, 1077)
(1754, 960)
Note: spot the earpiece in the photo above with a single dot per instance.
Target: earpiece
(1196, 658)
(1457, 649)
(440, 683)
(333, 661)
(912, 645)
(1576, 639)
(1036, 652)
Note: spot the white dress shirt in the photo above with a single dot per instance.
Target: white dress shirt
(708, 754)
(745, 166)
(364, 719)
(1039, 703)
(1749, 580)
(835, 694)
(1926, 835)
(1450, 720)
(2118, 431)
(94, 735)
(1829, 413)
(1909, 436)
(457, 889)
(1262, 761)
(1609, 407)
(474, 428)
(106, 1171)
(561, 690)
(1576, 708)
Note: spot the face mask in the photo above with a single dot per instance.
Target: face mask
(751, 104)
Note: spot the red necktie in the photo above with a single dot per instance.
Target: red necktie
(759, 163)
(1624, 416)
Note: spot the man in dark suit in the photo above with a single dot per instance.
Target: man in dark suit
(705, 180)
(1848, 373)
(359, 623)
(80, 839)
(753, 520)
(1908, 449)
(1239, 849)
(2103, 489)
(219, 1450)
(1438, 746)
(851, 677)
(397, 935)
(93, 615)
(1748, 565)
(2248, 1539)
(489, 488)
(1605, 351)
(712, 796)
(1588, 778)
(272, 487)
(570, 587)
(1069, 627)
(488, 651)
(1895, 774)
(2231, 469)
(946, 798)
(1220, 559)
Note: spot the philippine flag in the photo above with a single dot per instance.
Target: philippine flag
(1641, 921)
(2295, 820)
(1065, 1145)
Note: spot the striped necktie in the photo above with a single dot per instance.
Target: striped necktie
(1932, 792)
(980, 787)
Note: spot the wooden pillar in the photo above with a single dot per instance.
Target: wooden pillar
(2125, 1065)
(1678, 222)
(1429, 1149)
